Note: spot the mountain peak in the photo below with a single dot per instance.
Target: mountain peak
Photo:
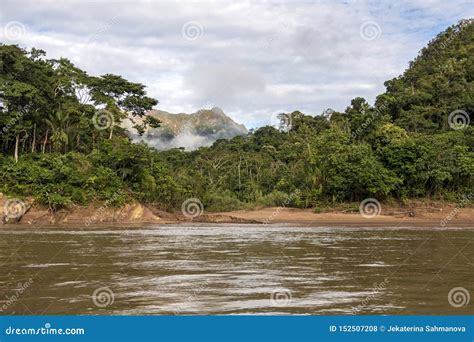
(191, 131)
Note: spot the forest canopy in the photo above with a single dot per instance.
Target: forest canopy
(63, 142)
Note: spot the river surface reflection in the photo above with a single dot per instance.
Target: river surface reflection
(234, 269)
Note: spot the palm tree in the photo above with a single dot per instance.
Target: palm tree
(60, 125)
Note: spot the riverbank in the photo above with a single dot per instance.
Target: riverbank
(445, 216)
(432, 214)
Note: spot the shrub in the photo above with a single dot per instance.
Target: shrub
(223, 202)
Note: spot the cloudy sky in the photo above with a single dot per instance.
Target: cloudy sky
(251, 58)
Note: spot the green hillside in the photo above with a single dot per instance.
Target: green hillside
(438, 81)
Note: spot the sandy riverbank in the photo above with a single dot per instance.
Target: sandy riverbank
(433, 214)
(432, 217)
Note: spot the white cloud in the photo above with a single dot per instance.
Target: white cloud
(252, 58)
(229, 83)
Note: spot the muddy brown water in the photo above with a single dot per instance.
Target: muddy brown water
(236, 269)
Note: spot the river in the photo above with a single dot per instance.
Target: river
(234, 269)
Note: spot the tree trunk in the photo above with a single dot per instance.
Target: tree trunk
(238, 168)
(23, 146)
(33, 144)
(45, 141)
(17, 144)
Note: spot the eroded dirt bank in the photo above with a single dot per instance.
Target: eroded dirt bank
(435, 214)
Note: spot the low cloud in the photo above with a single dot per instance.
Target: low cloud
(186, 139)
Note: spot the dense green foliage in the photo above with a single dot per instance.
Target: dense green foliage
(62, 143)
(437, 82)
